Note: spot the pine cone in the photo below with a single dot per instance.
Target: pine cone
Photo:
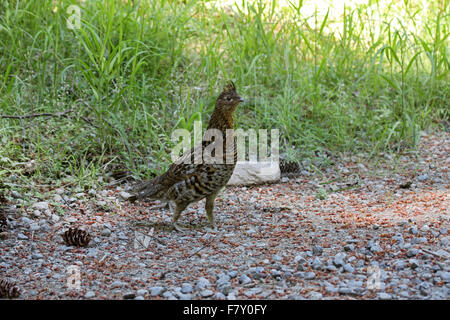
(76, 237)
(3, 223)
(8, 289)
(289, 166)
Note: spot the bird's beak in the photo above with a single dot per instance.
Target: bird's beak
(241, 100)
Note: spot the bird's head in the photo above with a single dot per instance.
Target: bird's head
(229, 99)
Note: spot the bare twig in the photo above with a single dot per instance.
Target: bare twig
(35, 115)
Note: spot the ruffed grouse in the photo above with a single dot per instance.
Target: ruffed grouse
(188, 180)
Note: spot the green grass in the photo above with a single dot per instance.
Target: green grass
(347, 80)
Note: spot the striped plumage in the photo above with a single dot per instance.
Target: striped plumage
(185, 183)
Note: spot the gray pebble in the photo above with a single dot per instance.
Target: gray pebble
(106, 232)
(244, 279)
(186, 288)
(40, 205)
(219, 296)
(202, 283)
(142, 292)
(400, 265)
(139, 298)
(206, 293)
(339, 259)
(413, 263)
(348, 268)
(376, 248)
(317, 250)
(422, 177)
(253, 291)
(317, 264)
(37, 256)
(310, 275)
(384, 296)
(315, 295)
(21, 236)
(89, 294)
(129, 295)
(156, 291)
(349, 247)
(34, 227)
(412, 252)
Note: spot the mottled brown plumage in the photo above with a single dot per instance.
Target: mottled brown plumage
(187, 181)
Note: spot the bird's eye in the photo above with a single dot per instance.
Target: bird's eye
(230, 99)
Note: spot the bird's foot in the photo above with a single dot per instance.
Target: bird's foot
(211, 228)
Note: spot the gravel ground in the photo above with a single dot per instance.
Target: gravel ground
(354, 231)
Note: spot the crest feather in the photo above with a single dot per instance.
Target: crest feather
(229, 87)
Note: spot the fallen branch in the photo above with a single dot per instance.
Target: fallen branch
(35, 115)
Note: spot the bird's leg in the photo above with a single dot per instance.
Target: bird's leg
(209, 207)
(176, 215)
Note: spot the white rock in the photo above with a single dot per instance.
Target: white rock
(248, 173)
(40, 205)
(125, 195)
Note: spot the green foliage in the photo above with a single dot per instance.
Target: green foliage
(363, 79)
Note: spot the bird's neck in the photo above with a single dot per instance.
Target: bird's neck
(221, 120)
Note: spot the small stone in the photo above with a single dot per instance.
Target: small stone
(40, 205)
(422, 177)
(317, 250)
(348, 268)
(92, 252)
(128, 296)
(253, 291)
(186, 288)
(384, 296)
(55, 218)
(349, 247)
(156, 291)
(202, 283)
(244, 279)
(276, 257)
(89, 294)
(141, 292)
(413, 263)
(105, 232)
(413, 230)
(206, 293)
(400, 265)
(299, 259)
(310, 275)
(220, 296)
(339, 259)
(125, 195)
(317, 264)
(21, 236)
(34, 227)
(26, 221)
(57, 198)
(412, 252)
(376, 248)
(315, 295)
(37, 214)
(37, 256)
(444, 275)
(16, 194)
(139, 298)
(232, 274)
